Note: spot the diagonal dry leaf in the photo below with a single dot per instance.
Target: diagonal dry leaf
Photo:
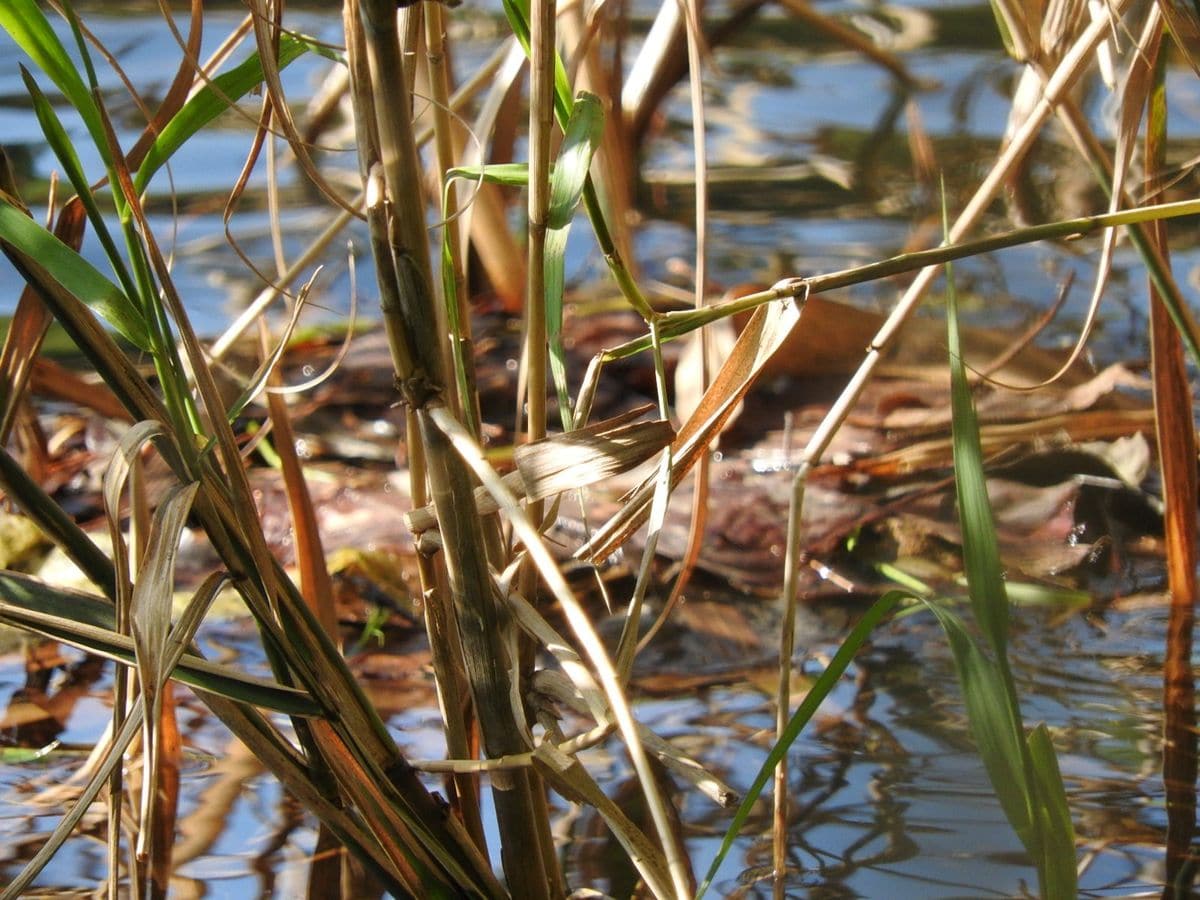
(566, 461)
(763, 335)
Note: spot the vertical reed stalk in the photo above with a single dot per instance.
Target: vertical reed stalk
(457, 713)
(1177, 458)
(396, 213)
(455, 279)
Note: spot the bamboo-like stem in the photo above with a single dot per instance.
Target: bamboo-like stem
(541, 119)
(541, 122)
(457, 714)
(783, 691)
(463, 399)
(585, 633)
(409, 309)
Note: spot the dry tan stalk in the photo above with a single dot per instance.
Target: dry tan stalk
(395, 205)
(315, 584)
(534, 351)
(588, 640)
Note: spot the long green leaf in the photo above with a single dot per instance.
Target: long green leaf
(804, 712)
(88, 622)
(995, 725)
(1059, 874)
(73, 272)
(60, 142)
(28, 26)
(981, 552)
(1031, 794)
(582, 137)
(209, 102)
(56, 524)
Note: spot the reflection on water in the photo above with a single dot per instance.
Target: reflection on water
(889, 798)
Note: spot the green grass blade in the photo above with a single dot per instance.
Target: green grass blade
(504, 174)
(29, 28)
(570, 172)
(74, 273)
(72, 817)
(981, 553)
(1059, 877)
(209, 102)
(1030, 790)
(583, 133)
(804, 712)
(56, 524)
(60, 142)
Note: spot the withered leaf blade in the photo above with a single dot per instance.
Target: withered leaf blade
(764, 334)
(584, 457)
(571, 460)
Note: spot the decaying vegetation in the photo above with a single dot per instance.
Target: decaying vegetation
(525, 682)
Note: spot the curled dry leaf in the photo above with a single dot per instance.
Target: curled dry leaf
(572, 460)
(766, 331)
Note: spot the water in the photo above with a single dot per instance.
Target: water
(889, 798)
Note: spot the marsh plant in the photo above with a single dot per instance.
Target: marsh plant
(514, 645)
